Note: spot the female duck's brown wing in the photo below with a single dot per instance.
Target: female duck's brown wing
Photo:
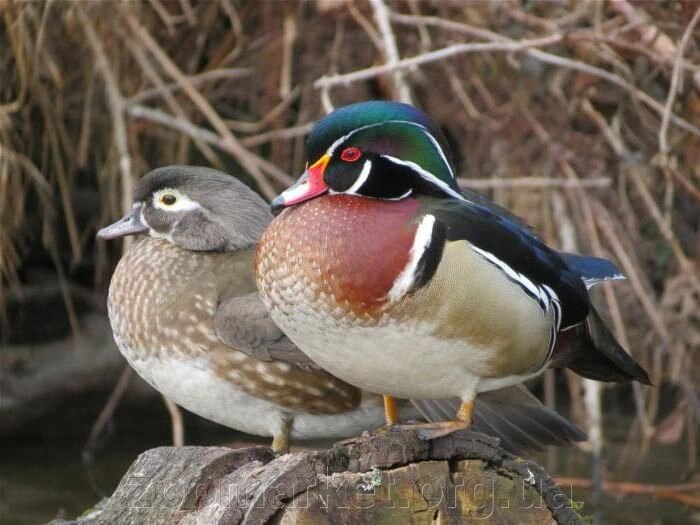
(243, 323)
(253, 353)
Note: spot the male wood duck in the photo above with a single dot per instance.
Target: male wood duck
(390, 277)
(187, 316)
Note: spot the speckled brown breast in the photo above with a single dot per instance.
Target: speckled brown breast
(340, 250)
(162, 302)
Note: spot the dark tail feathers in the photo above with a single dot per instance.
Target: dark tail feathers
(593, 352)
(593, 270)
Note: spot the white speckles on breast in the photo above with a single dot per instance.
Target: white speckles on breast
(162, 302)
(149, 303)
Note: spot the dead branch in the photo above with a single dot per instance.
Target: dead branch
(434, 56)
(391, 51)
(526, 47)
(116, 105)
(249, 161)
(187, 127)
(676, 78)
(534, 182)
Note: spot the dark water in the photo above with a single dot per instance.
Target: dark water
(42, 475)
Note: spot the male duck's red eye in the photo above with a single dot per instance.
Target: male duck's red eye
(350, 154)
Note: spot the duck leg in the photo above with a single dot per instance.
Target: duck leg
(280, 441)
(391, 411)
(427, 431)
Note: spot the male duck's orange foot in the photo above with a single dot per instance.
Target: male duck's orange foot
(434, 430)
(428, 431)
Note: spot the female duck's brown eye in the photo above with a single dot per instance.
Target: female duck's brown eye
(350, 154)
(168, 199)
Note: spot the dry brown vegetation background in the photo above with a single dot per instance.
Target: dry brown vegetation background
(581, 117)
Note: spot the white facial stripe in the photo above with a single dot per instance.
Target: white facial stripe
(442, 153)
(407, 277)
(141, 204)
(143, 218)
(342, 139)
(361, 179)
(435, 143)
(183, 202)
(426, 175)
(410, 190)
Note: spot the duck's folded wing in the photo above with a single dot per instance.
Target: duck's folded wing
(243, 323)
(512, 414)
(508, 244)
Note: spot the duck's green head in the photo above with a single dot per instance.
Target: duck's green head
(378, 149)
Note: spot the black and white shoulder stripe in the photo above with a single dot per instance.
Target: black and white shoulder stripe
(545, 297)
(424, 258)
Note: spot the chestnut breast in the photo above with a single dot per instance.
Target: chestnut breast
(343, 250)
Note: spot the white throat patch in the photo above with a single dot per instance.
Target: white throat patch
(361, 179)
(427, 176)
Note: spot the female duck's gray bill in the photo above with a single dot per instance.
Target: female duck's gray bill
(130, 224)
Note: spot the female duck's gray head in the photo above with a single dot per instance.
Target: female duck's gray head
(194, 208)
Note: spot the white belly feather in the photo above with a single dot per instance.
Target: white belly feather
(190, 384)
(386, 360)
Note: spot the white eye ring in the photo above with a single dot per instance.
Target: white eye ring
(172, 200)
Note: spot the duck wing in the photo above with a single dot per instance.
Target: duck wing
(244, 323)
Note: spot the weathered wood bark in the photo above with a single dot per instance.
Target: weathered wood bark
(384, 478)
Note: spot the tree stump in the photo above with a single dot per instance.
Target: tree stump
(390, 477)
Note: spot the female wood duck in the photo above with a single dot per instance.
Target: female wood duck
(187, 316)
(388, 276)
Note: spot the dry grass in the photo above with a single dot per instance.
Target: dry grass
(570, 113)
